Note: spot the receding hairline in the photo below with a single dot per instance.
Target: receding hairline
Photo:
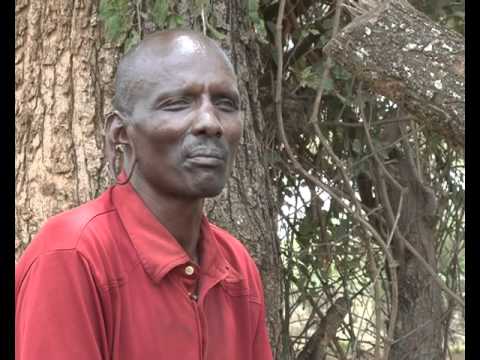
(129, 72)
(165, 40)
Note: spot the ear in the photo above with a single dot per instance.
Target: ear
(115, 134)
(115, 130)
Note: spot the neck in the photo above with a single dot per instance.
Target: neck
(182, 217)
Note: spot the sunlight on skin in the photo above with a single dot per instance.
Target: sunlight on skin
(188, 46)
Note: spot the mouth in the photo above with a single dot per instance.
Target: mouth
(208, 159)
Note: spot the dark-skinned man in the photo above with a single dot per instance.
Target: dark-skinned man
(140, 273)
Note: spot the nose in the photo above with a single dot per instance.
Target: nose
(206, 122)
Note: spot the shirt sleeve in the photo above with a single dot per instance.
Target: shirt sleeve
(261, 344)
(58, 313)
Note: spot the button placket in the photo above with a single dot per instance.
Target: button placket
(189, 270)
(190, 280)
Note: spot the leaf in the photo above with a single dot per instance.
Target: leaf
(340, 73)
(179, 20)
(116, 18)
(175, 21)
(216, 34)
(328, 84)
(160, 12)
(253, 11)
(132, 40)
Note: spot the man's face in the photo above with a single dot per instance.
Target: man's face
(186, 120)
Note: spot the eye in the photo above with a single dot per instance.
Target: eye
(226, 104)
(175, 104)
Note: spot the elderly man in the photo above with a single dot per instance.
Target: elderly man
(139, 273)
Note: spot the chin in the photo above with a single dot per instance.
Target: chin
(208, 189)
(210, 192)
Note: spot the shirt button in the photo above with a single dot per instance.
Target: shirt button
(189, 270)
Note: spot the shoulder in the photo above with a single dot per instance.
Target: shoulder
(229, 244)
(238, 256)
(63, 231)
(89, 232)
(51, 269)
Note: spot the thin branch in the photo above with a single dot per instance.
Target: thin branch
(383, 148)
(204, 21)
(372, 269)
(328, 65)
(432, 272)
(139, 17)
(380, 163)
(333, 194)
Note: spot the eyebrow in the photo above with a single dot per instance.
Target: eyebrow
(220, 89)
(215, 89)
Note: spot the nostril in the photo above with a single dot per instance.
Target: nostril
(207, 124)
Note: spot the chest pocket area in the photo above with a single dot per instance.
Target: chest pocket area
(235, 287)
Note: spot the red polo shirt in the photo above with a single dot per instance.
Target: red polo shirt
(107, 281)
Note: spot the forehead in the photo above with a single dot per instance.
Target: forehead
(182, 61)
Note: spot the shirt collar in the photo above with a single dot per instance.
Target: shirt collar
(157, 249)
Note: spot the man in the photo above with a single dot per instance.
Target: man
(140, 273)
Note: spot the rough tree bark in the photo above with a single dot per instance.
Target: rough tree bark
(418, 328)
(64, 73)
(316, 347)
(405, 56)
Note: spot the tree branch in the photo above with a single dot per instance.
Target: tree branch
(386, 46)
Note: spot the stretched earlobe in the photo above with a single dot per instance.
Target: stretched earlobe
(115, 141)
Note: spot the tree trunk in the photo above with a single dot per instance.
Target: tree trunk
(403, 55)
(316, 346)
(64, 75)
(62, 72)
(418, 332)
(247, 207)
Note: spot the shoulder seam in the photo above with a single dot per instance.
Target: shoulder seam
(82, 229)
(36, 258)
(115, 283)
(104, 287)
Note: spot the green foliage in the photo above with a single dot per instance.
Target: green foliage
(160, 10)
(312, 77)
(340, 73)
(253, 12)
(116, 16)
(132, 39)
(214, 33)
(162, 14)
(175, 21)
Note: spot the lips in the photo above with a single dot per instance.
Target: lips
(207, 157)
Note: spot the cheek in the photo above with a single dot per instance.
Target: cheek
(160, 134)
(233, 132)
(151, 151)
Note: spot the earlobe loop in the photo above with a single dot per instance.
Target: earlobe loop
(115, 152)
(110, 152)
